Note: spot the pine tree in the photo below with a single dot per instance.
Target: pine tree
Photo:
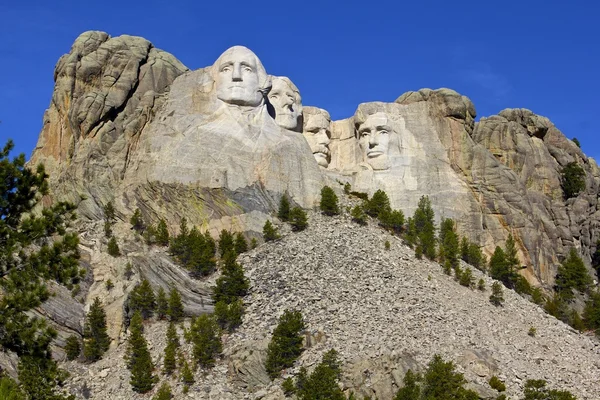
(241, 245)
(392, 220)
(113, 247)
(187, 377)
(204, 334)
(449, 247)
(72, 347)
(499, 267)
(298, 219)
(139, 361)
(572, 274)
(466, 278)
(497, 297)
(128, 273)
(10, 390)
(411, 389)
(378, 203)
(424, 228)
(109, 218)
(137, 221)
(286, 343)
(536, 390)
(226, 243)
(358, 215)
(169, 362)
(162, 304)
(442, 382)
(175, 309)
(322, 382)
(284, 209)
(164, 393)
(591, 312)
(142, 299)
(270, 232)
(231, 284)
(572, 180)
(329, 202)
(162, 233)
(95, 338)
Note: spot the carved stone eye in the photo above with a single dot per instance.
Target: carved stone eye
(226, 69)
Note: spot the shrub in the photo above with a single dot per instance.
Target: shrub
(497, 297)
(347, 188)
(466, 278)
(187, 377)
(113, 247)
(358, 215)
(270, 232)
(576, 141)
(95, 338)
(286, 343)
(531, 332)
(481, 284)
(392, 220)
(253, 243)
(162, 233)
(229, 316)
(137, 221)
(591, 312)
(204, 334)
(387, 245)
(284, 209)
(496, 383)
(10, 390)
(109, 285)
(164, 392)
(298, 219)
(572, 180)
(329, 202)
(360, 195)
(128, 273)
(109, 218)
(537, 296)
(536, 390)
(169, 362)
(72, 347)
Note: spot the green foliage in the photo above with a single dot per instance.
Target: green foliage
(575, 321)
(386, 245)
(591, 312)
(424, 228)
(496, 383)
(288, 387)
(162, 233)
(572, 180)
(187, 376)
(298, 219)
(442, 382)
(95, 338)
(128, 273)
(576, 141)
(226, 243)
(466, 278)
(392, 220)
(270, 232)
(164, 392)
(253, 243)
(537, 296)
(240, 245)
(175, 306)
(557, 307)
(347, 188)
(360, 195)
(499, 268)
(162, 304)
(39, 377)
(142, 299)
(449, 246)
(536, 390)
(169, 362)
(411, 389)
(72, 347)
(10, 390)
(322, 384)
(358, 215)
(522, 285)
(481, 284)
(284, 209)
(204, 334)
(497, 296)
(231, 284)
(139, 361)
(195, 251)
(378, 203)
(113, 247)
(286, 343)
(471, 254)
(109, 218)
(531, 332)
(329, 202)
(109, 285)
(137, 221)
(572, 274)
(229, 316)
(411, 233)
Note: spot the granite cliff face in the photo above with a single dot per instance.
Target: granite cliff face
(220, 145)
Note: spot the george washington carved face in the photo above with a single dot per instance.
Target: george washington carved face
(374, 138)
(239, 77)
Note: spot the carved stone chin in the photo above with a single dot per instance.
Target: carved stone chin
(285, 98)
(239, 77)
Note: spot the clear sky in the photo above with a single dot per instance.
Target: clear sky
(540, 55)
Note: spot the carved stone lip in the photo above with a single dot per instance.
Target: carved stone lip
(321, 154)
(375, 153)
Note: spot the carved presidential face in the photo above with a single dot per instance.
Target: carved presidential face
(238, 77)
(317, 133)
(286, 102)
(374, 138)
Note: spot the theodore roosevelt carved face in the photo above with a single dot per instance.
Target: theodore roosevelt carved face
(240, 77)
(317, 132)
(285, 98)
(374, 138)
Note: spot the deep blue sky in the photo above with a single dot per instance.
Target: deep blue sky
(541, 55)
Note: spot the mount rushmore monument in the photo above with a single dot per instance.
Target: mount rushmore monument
(220, 145)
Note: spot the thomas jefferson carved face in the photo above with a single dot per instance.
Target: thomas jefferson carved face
(374, 138)
(285, 98)
(317, 134)
(238, 76)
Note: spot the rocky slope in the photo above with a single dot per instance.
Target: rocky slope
(384, 311)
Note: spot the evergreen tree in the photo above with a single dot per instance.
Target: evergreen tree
(178, 246)
(576, 141)
(298, 219)
(34, 247)
(411, 389)
(424, 227)
(448, 243)
(536, 390)
(229, 316)
(284, 209)
(392, 220)
(128, 273)
(164, 393)
(572, 274)
(596, 258)
(95, 338)
(464, 249)
(322, 382)
(591, 312)
(270, 232)
(358, 215)
(226, 243)
(162, 304)
(502, 265)
(241, 245)
(187, 376)
(497, 297)
(411, 233)
(572, 180)
(137, 221)
(162, 233)
(109, 218)
(204, 334)
(169, 362)
(231, 284)
(442, 382)
(175, 308)
(113, 247)
(39, 378)
(329, 202)
(10, 390)
(557, 307)
(476, 257)
(139, 361)
(286, 343)
(378, 203)
(466, 278)
(72, 347)
(142, 299)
